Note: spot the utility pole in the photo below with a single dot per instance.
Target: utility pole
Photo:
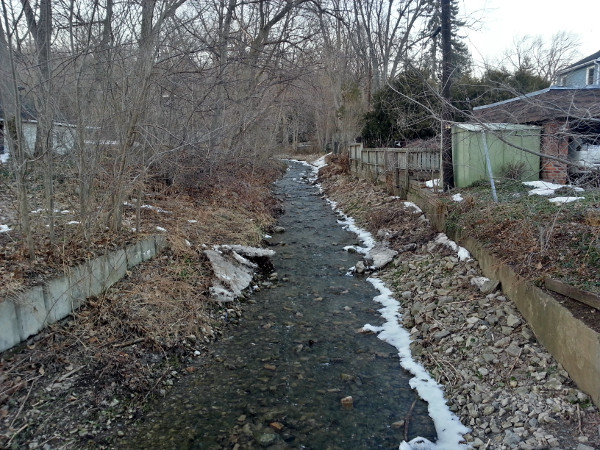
(446, 132)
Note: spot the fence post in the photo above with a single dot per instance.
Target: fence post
(406, 173)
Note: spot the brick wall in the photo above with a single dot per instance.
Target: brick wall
(556, 144)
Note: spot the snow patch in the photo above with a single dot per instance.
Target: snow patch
(318, 163)
(565, 199)
(546, 188)
(457, 198)
(153, 208)
(160, 229)
(449, 429)
(349, 224)
(4, 228)
(463, 253)
(413, 206)
(433, 183)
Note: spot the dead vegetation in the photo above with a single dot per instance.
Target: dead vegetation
(381, 214)
(536, 237)
(66, 386)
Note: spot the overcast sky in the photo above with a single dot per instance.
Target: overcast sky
(497, 22)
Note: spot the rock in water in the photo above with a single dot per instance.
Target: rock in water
(347, 402)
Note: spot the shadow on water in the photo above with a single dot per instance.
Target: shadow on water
(276, 381)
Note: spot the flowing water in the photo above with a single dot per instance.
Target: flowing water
(277, 379)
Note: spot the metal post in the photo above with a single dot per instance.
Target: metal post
(489, 165)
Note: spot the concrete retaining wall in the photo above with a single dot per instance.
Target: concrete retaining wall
(30, 311)
(572, 343)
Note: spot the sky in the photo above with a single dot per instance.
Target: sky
(496, 23)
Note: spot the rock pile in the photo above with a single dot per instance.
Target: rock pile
(498, 379)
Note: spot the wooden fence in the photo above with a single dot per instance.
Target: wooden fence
(395, 166)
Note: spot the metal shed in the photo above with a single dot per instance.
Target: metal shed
(503, 141)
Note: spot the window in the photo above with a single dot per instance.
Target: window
(590, 76)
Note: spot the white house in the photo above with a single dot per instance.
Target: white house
(63, 138)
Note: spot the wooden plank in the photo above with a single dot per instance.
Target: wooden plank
(579, 295)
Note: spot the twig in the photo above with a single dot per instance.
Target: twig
(128, 343)
(22, 404)
(407, 419)
(515, 363)
(444, 365)
(68, 374)
(155, 384)
(18, 386)
(579, 424)
(15, 434)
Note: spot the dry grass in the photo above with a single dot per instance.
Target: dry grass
(376, 210)
(126, 343)
(537, 238)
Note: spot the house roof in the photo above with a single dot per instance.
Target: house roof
(555, 102)
(26, 114)
(495, 127)
(581, 62)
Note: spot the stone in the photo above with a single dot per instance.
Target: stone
(277, 426)
(485, 285)
(510, 438)
(441, 334)
(347, 402)
(513, 321)
(360, 267)
(488, 410)
(584, 447)
(553, 383)
(266, 439)
(381, 255)
(513, 350)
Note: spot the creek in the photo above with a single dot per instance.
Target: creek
(277, 378)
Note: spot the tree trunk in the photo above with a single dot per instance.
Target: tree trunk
(9, 95)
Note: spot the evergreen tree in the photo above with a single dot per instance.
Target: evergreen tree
(432, 37)
(406, 109)
(493, 86)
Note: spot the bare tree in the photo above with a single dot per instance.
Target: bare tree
(13, 127)
(542, 58)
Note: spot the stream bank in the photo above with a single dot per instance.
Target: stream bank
(498, 379)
